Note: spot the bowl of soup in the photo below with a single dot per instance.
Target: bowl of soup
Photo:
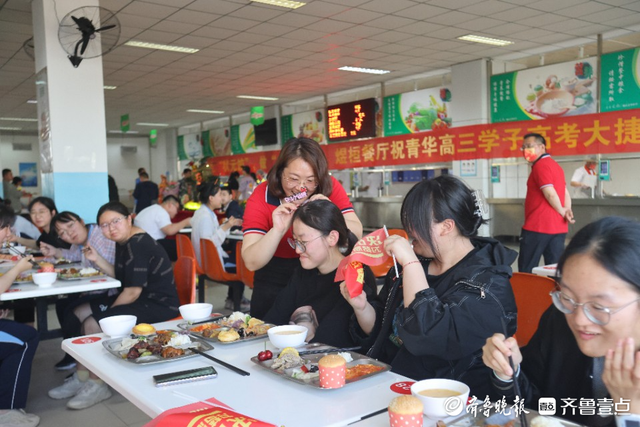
(440, 397)
(287, 336)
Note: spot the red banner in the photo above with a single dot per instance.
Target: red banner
(603, 133)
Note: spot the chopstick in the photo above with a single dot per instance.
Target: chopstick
(329, 350)
(21, 255)
(516, 386)
(395, 264)
(212, 319)
(221, 362)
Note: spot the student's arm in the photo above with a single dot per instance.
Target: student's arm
(127, 296)
(174, 228)
(258, 249)
(10, 276)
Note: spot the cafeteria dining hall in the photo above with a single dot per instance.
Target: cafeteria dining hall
(319, 213)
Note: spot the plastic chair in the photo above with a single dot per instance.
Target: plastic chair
(246, 275)
(532, 299)
(214, 270)
(382, 269)
(185, 249)
(184, 272)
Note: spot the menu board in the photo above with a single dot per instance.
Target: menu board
(558, 90)
(620, 87)
(417, 111)
(308, 124)
(352, 120)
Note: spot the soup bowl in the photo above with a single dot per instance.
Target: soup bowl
(287, 336)
(440, 397)
(195, 311)
(118, 326)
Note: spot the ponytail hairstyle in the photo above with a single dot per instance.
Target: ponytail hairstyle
(433, 201)
(209, 188)
(324, 216)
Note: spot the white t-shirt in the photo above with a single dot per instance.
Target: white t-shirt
(22, 228)
(152, 220)
(585, 177)
(204, 225)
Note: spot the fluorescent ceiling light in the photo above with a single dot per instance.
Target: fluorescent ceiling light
(364, 70)
(262, 98)
(32, 101)
(157, 46)
(17, 119)
(160, 125)
(205, 111)
(485, 40)
(9, 128)
(119, 131)
(110, 87)
(282, 3)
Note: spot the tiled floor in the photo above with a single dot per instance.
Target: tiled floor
(114, 412)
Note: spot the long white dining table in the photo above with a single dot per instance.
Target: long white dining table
(60, 287)
(262, 395)
(545, 270)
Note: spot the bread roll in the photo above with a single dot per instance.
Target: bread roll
(144, 329)
(331, 361)
(406, 405)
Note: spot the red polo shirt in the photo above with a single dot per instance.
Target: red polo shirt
(539, 216)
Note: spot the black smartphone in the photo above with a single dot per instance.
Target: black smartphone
(180, 377)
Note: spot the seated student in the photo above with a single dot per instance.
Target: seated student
(18, 344)
(148, 292)
(312, 297)
(453, 291)
(41, 211)
(230, 207)
(587, 345)
(156, 221)
(204, 225)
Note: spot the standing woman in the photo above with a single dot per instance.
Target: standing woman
(301, 170)
(148, 292)
(312, 298)
(204, 225)
(453, 292)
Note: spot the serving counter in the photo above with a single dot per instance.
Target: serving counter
(507, 215)
(374, 212)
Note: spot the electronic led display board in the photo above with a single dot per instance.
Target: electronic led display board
(352, 120)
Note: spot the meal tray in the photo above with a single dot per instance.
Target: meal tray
(91, 276)
(187, 327)
(358, 359)
(112, 346)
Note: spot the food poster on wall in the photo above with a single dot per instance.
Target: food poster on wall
(308, 124)
(620, 87)
(558, 90)
(417, 111)
(243, 139)
(216, 142)
(189, 147)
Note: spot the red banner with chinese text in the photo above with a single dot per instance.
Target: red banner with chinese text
(224, 165)
(603, 133)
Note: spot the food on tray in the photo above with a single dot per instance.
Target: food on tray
(508, 419)
(72, 273)
(542, 421)
(405, 411)
(208, 330)
(24, 277)
(265, 355)
(332, 371)
(46, 267)
(228, 335)
(62, 261)
(254, 322)
(365, 369)
(170, 352)
(287, 361)
(166, 344)
(143, 329)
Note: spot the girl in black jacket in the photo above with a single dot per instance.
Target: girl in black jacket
(452, 294)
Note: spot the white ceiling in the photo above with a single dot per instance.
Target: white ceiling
(256, 49)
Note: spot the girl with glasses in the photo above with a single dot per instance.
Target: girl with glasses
(148, 292)
(312, 298)
(452, 294)
(299, 174)
(586, 345)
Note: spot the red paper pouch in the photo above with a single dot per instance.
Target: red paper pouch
(354, 277)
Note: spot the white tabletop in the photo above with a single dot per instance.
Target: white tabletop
(262, 395)
(545, 270)
(31, 290)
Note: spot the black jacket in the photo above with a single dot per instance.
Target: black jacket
(553, 366)
(445, 327)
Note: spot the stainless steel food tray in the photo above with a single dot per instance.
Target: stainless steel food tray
(187, 327)
(358, 359)
(112, 346)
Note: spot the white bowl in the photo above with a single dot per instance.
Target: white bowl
(287, 336)
(44, 279)
(118, 326)
(196, 311)
(441, 407)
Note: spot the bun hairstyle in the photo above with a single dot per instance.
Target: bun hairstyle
(433, 201)
(613, 242)
(324, 216)
(209, 188)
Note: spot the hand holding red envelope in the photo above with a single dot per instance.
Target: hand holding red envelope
(370, 251)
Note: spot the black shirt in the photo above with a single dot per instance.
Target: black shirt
(52, 239)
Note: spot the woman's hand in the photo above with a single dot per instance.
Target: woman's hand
(48, 250)
(90, 253)
(621, 373)
(318, 196)
(401, 248)
(24, 264)
(496, 352)
(358, 303)
(282, 217)
(305, 316)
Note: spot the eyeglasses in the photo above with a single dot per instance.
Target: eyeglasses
(65, 231)
(297, 183)
(300, 245)
(115, 222)
(595, 312)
